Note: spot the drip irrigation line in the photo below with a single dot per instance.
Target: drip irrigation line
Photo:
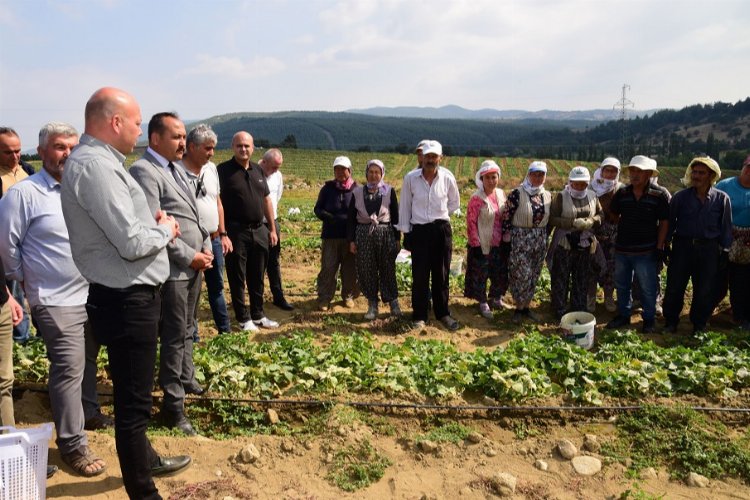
(433, 406)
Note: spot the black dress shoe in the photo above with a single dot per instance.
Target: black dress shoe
(178, 421)
(51, 469)
(194, 389)
(283, 304)
(618, 322)
(98, 422)
(170, 465)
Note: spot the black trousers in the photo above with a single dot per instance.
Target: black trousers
(273, 269)
(432, 250)
(739, 291)
(698, 261)
(246, 265)
(126, 321)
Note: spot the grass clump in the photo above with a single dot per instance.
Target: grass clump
(682, 440)
(448, 432)
(357, 466)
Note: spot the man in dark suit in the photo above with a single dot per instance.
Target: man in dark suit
(167, 189)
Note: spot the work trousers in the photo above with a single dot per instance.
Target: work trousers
(432, 250)
(697, 261)
(335, 255)
(246, 265)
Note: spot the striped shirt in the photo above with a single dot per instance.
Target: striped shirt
(638, 228)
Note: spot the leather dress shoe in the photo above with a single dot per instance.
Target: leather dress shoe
(178, 421)
(283, 304)
(98, 421)
(165, 466)
(51, 469)
(196, 389)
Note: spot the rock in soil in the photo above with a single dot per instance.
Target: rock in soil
(586, 466)
(566, 449)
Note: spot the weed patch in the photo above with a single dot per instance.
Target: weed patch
(357, 466)
(682, 440)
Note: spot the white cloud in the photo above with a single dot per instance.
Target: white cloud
(235, 68)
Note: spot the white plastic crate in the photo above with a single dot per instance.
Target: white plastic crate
(23, 462)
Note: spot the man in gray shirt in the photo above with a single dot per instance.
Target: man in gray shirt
(119, 246)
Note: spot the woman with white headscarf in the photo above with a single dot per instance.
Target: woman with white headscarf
(484, 261)
(374, 239)
(525, 227)
(604, 184)
(575, 213)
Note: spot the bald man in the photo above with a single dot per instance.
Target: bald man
(119, 246)
(246, 200)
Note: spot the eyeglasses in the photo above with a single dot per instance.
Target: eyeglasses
(200, 187)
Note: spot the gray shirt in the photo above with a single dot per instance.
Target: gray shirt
(114, 237)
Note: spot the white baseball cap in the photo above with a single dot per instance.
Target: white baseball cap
(610, 161)
(432, 147)
(342, 161)
(643, 162)
(579, 173)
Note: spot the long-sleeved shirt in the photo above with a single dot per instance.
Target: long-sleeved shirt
(332, 207)
(739, 197)
(423, 203)
(114, 237)
(710, 219)
(275, 183)
(34, 243)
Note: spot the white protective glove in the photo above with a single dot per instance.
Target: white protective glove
(583, 224)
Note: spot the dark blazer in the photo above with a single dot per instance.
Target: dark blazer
(163, 192)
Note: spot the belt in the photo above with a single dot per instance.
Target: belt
(439, 222)
(245, 225)
(697, 241)
(127, 289)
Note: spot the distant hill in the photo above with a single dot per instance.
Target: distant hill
(672, 136)
(453, 111)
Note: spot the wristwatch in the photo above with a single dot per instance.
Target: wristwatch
(223, 234)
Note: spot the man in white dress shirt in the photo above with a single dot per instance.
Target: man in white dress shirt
(428, 196)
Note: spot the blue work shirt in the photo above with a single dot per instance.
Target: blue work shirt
(707, 220)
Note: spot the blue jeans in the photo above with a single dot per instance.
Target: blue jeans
(215, 285)
(644, 267)
(21, 330)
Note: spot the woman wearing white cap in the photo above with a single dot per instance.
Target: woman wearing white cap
(525, 226)
(484, 216)
(332, 208)
(605, 182)
(575, 213)
(374, 239)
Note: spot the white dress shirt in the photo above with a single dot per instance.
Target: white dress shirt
(423, 203)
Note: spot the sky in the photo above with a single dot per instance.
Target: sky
(210, 57)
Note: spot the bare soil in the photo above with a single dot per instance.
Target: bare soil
(292, 467)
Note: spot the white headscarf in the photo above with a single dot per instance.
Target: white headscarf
(602, 186)
(535, 166)
(486, 167)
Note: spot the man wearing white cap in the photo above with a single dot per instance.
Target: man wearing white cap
(700, 227)
(332, 208)
(642, 209)
(428, 197)
(738, 190)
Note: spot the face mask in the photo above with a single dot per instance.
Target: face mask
(579, 195)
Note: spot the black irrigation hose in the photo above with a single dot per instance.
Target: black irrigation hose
(431, 406)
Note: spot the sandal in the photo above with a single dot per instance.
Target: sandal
(82, 459)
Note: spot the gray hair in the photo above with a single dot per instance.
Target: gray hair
(8, 131)
(55, 128)
(200, 134)
(273, 153)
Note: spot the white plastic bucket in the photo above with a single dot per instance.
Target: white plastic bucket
(578, 327)
(457, 266)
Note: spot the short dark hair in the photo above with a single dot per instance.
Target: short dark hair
(8, 131)
(156, 124)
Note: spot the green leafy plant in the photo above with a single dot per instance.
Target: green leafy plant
(357, 466)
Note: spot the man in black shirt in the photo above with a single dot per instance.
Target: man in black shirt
(643, 210)
(246, 200)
